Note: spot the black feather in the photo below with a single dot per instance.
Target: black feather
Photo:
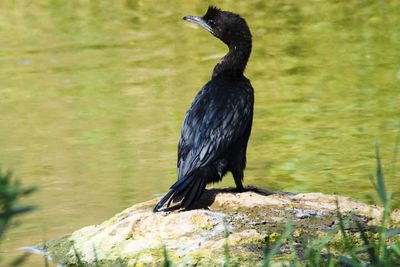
(212, 11)
(191, 193)
(217, 126)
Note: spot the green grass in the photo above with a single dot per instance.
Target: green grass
(365, 247)
(376, 249)
(11, 191)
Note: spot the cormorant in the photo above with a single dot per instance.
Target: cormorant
(217, 126)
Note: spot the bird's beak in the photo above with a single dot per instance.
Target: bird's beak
(199, 21)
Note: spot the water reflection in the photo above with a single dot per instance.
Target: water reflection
(93, 95)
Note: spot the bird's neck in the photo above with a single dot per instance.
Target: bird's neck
(234, 62)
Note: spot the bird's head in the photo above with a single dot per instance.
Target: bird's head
(225, 25)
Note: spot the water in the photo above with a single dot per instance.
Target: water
(93, 94)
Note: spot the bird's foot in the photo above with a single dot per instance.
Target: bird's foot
(239, 189)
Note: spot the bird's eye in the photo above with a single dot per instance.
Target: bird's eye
(211, 22)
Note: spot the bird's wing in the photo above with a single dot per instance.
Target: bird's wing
(214, 122)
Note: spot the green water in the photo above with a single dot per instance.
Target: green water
(93, 94)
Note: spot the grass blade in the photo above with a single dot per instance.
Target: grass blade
(167, 261)
(379, 177)
(367, 244)
(96, 258)
(78, 258)
(380, 181)
(276, 247)
(396, 249)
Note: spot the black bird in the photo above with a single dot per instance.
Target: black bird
(218, 124)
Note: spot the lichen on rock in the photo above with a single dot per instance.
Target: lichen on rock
(197, 237)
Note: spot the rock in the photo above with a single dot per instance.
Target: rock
(197, 237)
(395, 216)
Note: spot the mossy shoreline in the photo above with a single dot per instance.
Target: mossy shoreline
(247, 223)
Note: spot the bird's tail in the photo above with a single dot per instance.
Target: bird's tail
(185, 191)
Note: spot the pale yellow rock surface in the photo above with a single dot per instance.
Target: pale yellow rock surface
(197, 237)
